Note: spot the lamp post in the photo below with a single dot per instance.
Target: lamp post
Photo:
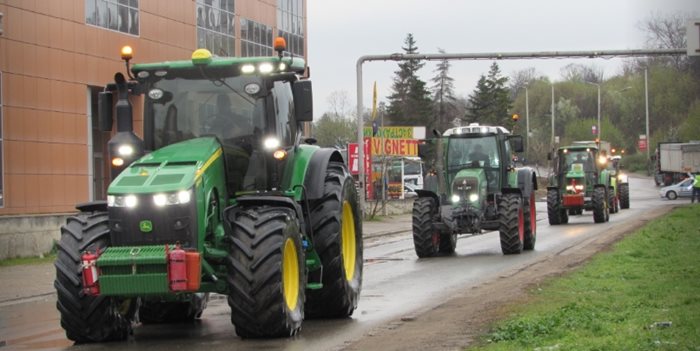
(646, 105)
(527, 124)
(598, 85)
(552, 141)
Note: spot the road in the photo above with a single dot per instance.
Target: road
(397, 286)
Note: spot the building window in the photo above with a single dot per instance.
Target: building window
(2, 151)
(256, 39)
(118, 15)
(215, 20)
(290, 24)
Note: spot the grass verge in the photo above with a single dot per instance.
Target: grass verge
(27, 260)
(642, 295)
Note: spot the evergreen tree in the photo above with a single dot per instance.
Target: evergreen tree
(490, 102)
(444, 101)
(409, 103)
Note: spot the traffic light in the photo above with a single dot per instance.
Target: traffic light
(515, 117)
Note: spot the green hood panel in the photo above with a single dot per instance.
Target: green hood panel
(172, 168)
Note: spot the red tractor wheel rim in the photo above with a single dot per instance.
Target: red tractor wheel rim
(521, 224)
(533, 215)
(436, 240)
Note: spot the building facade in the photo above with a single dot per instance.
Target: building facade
(56, 55)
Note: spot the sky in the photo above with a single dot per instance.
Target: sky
(340, 32)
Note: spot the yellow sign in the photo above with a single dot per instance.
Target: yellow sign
(394, 147)
(391, 132)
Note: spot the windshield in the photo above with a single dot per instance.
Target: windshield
(579, 159)
(412, 168)
(191, 108)
(472, 152)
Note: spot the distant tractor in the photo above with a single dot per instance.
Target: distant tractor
(222, 195)
(580, 181)
(477, 188)
(619, 185)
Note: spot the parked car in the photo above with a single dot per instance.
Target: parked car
(681, 189)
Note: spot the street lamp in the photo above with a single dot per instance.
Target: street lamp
(598, 85)
(527, 123)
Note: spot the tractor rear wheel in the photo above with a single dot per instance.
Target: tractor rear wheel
(155, 312)
(511, 224)
(600, 208)
(266, 275)
(553, 207)
(87, 318)
(426, 239)
(624, 196)
(337, 231)
(530, 223)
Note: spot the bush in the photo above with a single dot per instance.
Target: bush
(634, 163)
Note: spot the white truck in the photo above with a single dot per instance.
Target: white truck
(675, 160)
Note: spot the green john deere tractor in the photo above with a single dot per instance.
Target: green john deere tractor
(580, 181)
(222, 195)
(619, 185)
(477, 187)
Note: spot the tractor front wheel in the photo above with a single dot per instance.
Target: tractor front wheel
(553, 207)
(511, 224)
(600, 208)
(530, 223)
(87, 318)
(266, 272)
(426, 239)
(613, 202)
(337, 230)
(624, 196)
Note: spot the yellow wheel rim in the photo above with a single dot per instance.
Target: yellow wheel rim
(348, 241)
(290, 274)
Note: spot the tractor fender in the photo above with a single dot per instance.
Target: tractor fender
(527, 180)
(258, 200)
(92, 206)
(428, 193)
(316, 171)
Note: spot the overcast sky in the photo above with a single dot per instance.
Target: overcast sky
(339, 32)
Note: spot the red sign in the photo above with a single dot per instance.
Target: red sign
(642, 144)
(594, 130)
(353, 156)
(368, 169)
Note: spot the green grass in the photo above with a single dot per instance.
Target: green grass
(621, 299)
(27, 260)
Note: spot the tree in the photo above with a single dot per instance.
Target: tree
(444, 101)
(335, 131)
(490, 102)
(409, 103)
(582, 73)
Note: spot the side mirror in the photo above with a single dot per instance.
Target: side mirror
(104, 110)
(516, 141)
(303, 101)
(423, 150)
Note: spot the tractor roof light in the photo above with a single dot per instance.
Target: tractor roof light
(247, 69)
(201, 57)
(265, 67)
(127, 53)
(280, 45)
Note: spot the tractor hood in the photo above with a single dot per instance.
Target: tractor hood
(172, 168)
(468, 182)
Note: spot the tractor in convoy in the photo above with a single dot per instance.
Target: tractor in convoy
(620, 186)
(222, 195)
(580, 181)
(476, 187)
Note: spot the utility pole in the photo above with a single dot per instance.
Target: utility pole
(527, 124)
(646, 104)
(552, 141)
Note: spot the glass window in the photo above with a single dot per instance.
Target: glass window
(215, 26)
(284, 109)
(117, 15)
(257, 37)
(290, 24)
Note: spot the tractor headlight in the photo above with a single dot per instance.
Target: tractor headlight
(474, 197)
(622, 178)
(578, 187)
(271, 143)
(130, 201)
(602, 160)
(176, 198)
(455, 199)
(569, 188)
(125, 150)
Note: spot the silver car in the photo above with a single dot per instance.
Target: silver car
(682, 189)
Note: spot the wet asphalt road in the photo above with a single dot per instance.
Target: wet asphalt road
(396, 284)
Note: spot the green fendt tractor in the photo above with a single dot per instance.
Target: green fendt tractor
(222, 195)
(477, 187)
(580, 181)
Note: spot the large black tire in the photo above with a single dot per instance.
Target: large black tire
(87, 318)
(553, 207)
(600, 205)
(156, 311)
(337, 228)
(511, 224)
(613, 202)
(426, 239)
(564, 215)
(266, 275)
(448, 243)
(624, 196)
(530, 214)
